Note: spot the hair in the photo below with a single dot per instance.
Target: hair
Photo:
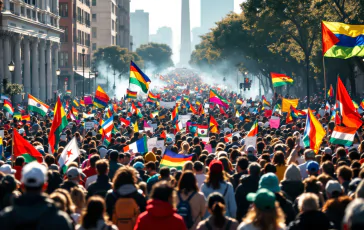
(344, 172)
(278, 158)
(95, 210)
(59, 200)
(359, 193)
(337, 205)
(187, 166)
(340, 152)
(187, 182)
(198, 166)
(102, 166)
(311, 185)
(69, 204)
(264, 219)
(213, 179)
(254, 169)
(78, 197)
(292, 173)
(150, 165)
(243, 163)
(216, 205)
(308, 202)
(124, 175)
(49, 159)
(162, 190)
(93, 159)
(328, 168)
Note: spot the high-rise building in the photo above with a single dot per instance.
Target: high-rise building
(185, 49)
(123, 24)
(29, 39)
(163, 35)
(213, 11)
(139, 24)
(75, 53)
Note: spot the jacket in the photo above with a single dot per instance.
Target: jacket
(232, 225)
(292, 189)
(113, 167)
(125, 191)
(34, 211)
(286, 207)
(248, 184)
(159, 215)
(197, 204)
(17, 174)
(99, 187)
(89, 171)
(100, 225)
(312, 220)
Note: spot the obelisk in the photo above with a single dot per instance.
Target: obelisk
(185, 52)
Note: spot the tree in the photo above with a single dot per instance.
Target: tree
(156, 56)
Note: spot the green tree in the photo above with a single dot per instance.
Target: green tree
(155, 55)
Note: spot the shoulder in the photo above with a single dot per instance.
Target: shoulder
(245, 226)
(234, 223)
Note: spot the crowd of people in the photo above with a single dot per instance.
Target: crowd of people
(272, 185)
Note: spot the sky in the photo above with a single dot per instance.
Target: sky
(168, 13)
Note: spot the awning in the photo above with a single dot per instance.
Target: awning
(87, 74)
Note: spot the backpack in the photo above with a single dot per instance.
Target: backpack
(228, 225)
(184, 209)
(125, 212)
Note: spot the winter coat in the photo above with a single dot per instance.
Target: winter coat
(159, 215)
(113, 167)
(197, 204)
(287, 208)
(33, 211)
(248, 184)
(99, 187)
(100, 225)
(203, 224)
(312, 220)
(292, 189)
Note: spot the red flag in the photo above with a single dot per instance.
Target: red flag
(223, 112)
(124, 121)
(22, 147)
(163, 135)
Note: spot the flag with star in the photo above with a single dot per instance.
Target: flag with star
(69, 154)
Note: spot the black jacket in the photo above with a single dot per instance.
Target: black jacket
(68, 185)
(312, 220)
(292, 189)
(248, 184)
(99, 187)
(286, 207)
(31, 211)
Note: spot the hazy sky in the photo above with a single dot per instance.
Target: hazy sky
(168, 13)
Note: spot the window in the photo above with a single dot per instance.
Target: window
(112, 8)
(64, 36)
(63, 59)
(113, 25)
(93, 2)
(88, 39)
(113, 40)
(79, 16)
(94, 32)
(79, 36)
(63, 10)
(94, 19)
(94, 47)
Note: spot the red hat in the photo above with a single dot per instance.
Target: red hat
(216, 166)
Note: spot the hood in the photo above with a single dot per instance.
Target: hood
(126, 189)
(158, 208)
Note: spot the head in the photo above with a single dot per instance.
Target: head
(292, 173)
(163, 191)
(309, 155)
(270, 182)
(242, 164)
(73, 174)
(34, 177)
(187, 182)
(254, 169)
(216, 207)
(308, 202)
(187, 166)
(93, 160)
(334, 189)
(344, 173)
(150, 167)
(312, 168)
(124, 176)
(216, 174)
(95, 210)
(78, 197)
(198, 167)
(354, 215)
(102, 167)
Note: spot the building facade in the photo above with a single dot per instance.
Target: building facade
(139, 21)
(123, 24)
(185, 48)
(75, 45)
(164, 35)
(30, 37)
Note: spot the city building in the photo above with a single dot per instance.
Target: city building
(30, 38)
(163, 35)
(185, 48)
(75, 46)
(123, 38)
(139, 23)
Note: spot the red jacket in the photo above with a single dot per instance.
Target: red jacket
(161, 215)
(18, 169)
(89, 171)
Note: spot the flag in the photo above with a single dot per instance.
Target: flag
(217, 99)
(82, 103)
(239, 102)
(201, 110)
(222, 111)
(152, 97)
(330, 93)
(163, 134)
(107, 128)
(289, 118)
(101, 98)
(1, 146)
(192, 108)
(253, 130)
(85, 115)
(153, 114)
(135, 110)
(137, 77)
(131, 94)
(8, 107)
(327, 107)
(135, 126)
(237, 114)
(17, 115)
(25, 117)
(314, 132)
(213, 125)
(286, 104)
(69, 154)
(174, 115)
(22, 147)
(74, 111)
(140, 146)
(174, 160)
(297, 114)
(362, 104)
(179, 126)
(266, 103)
(58, 124)
(124, 121)
(280, 79)
(202, 130)
(35, 105)
(355, 105)
(341, 40)
(75, 103)
(70, 115)
(343, 135)
(349, 116)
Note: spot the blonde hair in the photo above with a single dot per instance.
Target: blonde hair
(188, 165)
(308, 202)
(267, 220)
(78, 198)
(60, 200)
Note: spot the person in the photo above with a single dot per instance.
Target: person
(90, 171)
(309, 155)
(344, 175)
(94, 216)
(241, 169)
(160, 213)
(153, 175)
(187, 191)
(217, 218)
(79, 200)
(292, 184)
(354, 215)
(216, 182)
(18, 166)
(114, 165)
(312, 168)
(73, 180)
(334, 209)
(265, 214)
(102, 183)
(280, 163)
(198, 169)
(124, 194)
(33, 210)
(310, 217)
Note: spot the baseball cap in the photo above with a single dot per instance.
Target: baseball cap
(269, 181)
(263, 199)
(313, 167)
(7, 169)
(103, 152)
(250, 148)
(216, 166)
(138, 165)
(73, 173)
(169, 141)
(34, 174)
(333, 186)
(328, 150)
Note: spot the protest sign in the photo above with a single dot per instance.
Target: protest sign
(89, 125)
(167, 105)
(151, 143)
(250, 141)
(160, 145)
(208, 147)
(274, 122)
(184, 119)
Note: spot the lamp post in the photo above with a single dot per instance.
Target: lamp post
(96, 75)
(83, 71)
(58, 73)
(11, 67)
(114, 87)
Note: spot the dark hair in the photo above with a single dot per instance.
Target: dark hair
(19, 161)
(311, 185)
(328, 168)
(93, 160)
(114, 155)
(340, 152)
(187, 182)
(198, 166)
(243, 163)
(95, 210)
(278, 158)
(150, 165)
(165, 172)
(102, 166)
(270, 168)
(234, 155)
(216, 203)
(260, 146)
(344, 172)
(162, 190)
(124, 175)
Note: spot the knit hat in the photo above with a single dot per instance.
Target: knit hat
(216, 166)
(270, 182)
(292, 173)
(138, 165)
(149, 157)
(263, 199)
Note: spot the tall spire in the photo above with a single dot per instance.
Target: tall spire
(185, 52)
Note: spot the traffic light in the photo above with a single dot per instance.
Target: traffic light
(247, 84)
(241, 85)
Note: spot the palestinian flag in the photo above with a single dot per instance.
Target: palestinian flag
(343, 135)
(35, 105)
(22, 147)
(59, 123)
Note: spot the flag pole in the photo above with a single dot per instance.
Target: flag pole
(325, 83)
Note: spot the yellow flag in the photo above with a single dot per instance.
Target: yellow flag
(286, 104)
(135, 126)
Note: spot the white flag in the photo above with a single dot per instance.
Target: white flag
(69, 154)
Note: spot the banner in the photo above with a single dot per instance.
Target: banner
(181, 87)
(167, 105)
(274, 122)
(151, 143)
(250, 141)
(184, 119)
(286, 104)
(88, 100)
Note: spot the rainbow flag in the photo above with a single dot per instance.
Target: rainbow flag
(17, 115)
(174, 116)
(279, 79)
(298, 114)
(341, 40)
(137, 77)
(59, 123)
(74, 111)
(266, 103)
(355, 104)
(1, 146)
(314, 132)
(131, 94)
(174, 160)
(75, 103)
(217, 99)
(362, 104)
(8, 107)
(101, 98)
(82, 103)
(254, 130)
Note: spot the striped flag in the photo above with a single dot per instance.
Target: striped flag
(343, 135)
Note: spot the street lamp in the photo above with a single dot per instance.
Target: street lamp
(58, 73)
(114, 87)
(11, 66)
(83, 70)
(96, 75)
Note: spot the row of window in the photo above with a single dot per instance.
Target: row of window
(64, 60)
(82, 38)
(82, 16)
